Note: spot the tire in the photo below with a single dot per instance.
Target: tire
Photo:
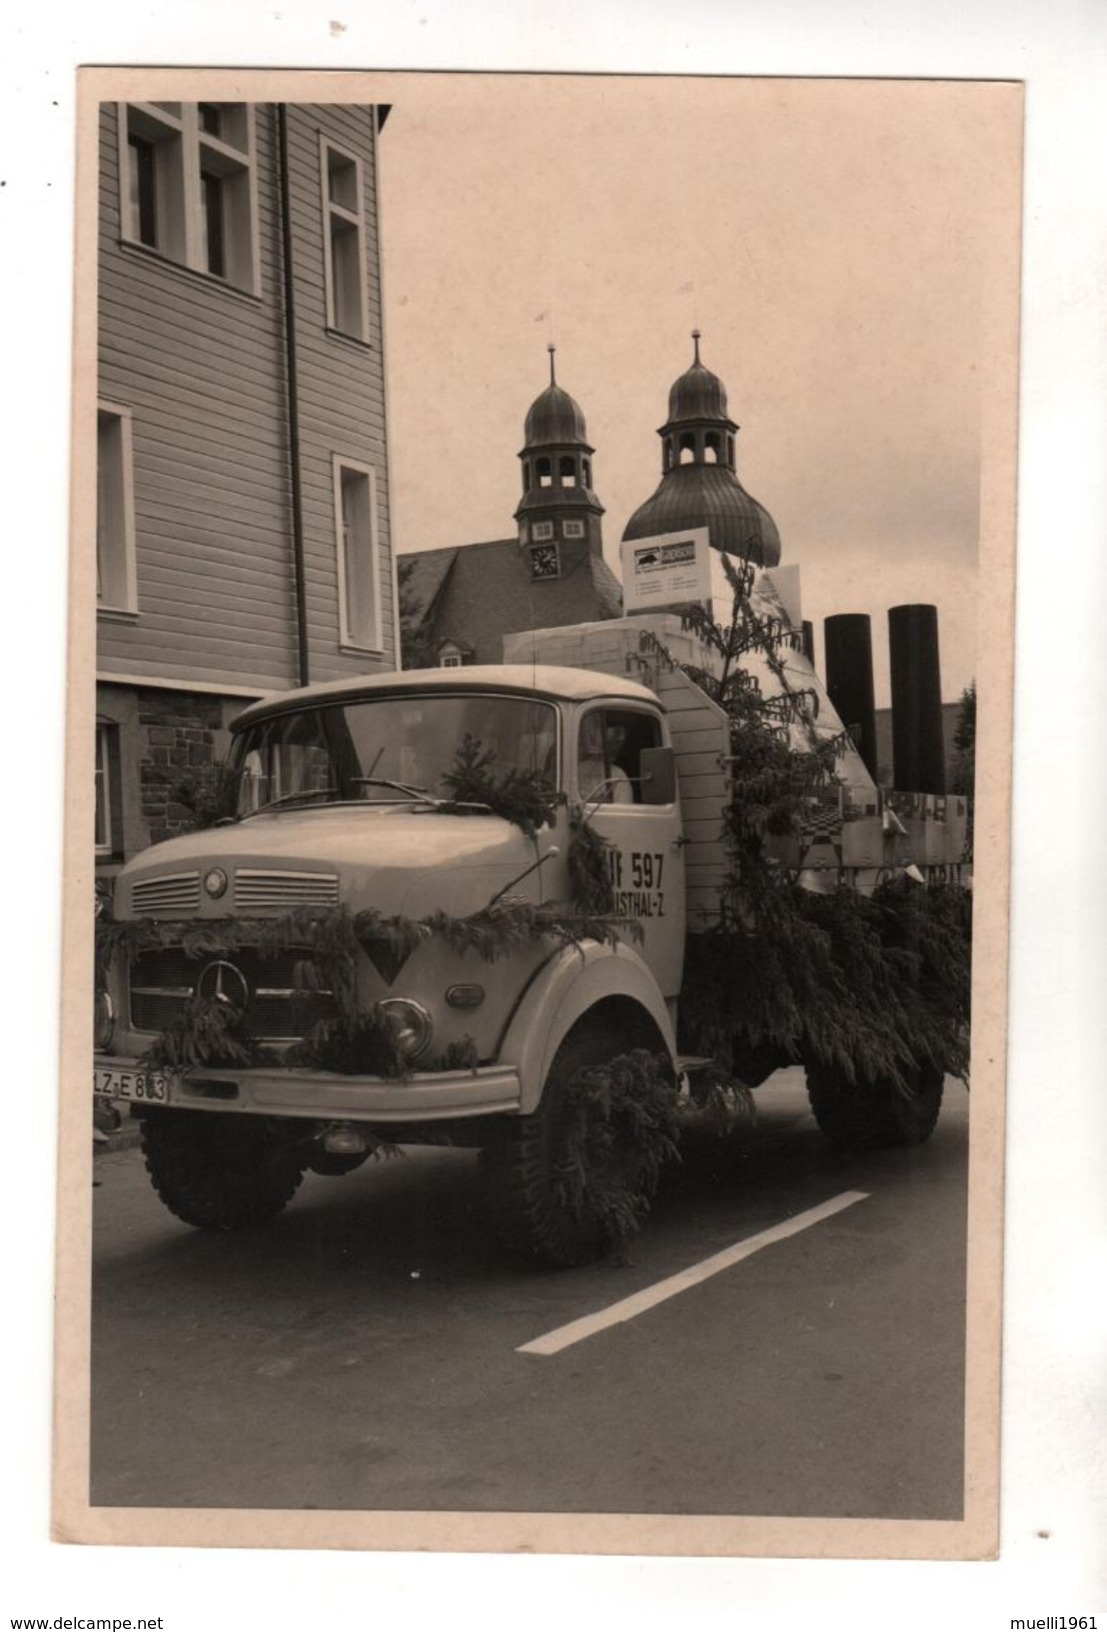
(874, 1115)
(219, 1172)
(535, 1214)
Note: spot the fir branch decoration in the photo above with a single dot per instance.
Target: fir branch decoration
(206, 1033)
(871, 987)
(459, 1056)
(353, 1045)
(523, 797)
(589, 879)
(332, 936)
(874, 988)
(344, 1039)
(621, 1130)
(210, 795)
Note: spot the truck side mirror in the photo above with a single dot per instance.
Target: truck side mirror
(657, 776)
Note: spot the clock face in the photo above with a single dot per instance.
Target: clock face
(544, 561)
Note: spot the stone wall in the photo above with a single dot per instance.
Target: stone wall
(181, 741)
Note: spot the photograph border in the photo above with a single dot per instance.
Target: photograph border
(976, 1535)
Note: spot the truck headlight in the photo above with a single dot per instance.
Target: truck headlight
(103, 1022)
(411, 1025)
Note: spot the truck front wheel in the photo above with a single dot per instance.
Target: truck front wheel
(574, 1176)
(219, 1172)
(867, 1115)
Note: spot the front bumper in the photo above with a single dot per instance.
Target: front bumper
(431, 1096)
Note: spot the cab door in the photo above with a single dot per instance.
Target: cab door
(645, 860)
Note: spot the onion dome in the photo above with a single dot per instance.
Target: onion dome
(698, 394)
(554, 419)
(699, 486)
(712, 497)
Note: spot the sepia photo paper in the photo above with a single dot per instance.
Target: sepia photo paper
(541, 642)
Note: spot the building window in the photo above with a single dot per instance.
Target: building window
(572, 529)
(450, 660)
(358, 577)
(567, 470)
(143, 189)
(189, 185)
(108, 827)
(344, 243)
(542, 529)
(115, 529)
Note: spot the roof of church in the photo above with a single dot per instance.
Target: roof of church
(474, 594)
(424, 575)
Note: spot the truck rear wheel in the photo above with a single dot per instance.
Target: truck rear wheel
(868, 1115)
(219, 1172)
(574, 1175)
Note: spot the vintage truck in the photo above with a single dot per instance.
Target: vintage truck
(342, 818)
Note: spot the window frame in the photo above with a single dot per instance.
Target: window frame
(124, 568)
(605, 707)
(185, 155)
(350, 639)
(107, 790)
(355, 220)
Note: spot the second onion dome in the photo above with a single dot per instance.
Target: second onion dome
(699, 485)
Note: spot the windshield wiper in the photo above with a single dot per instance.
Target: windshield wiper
(287, 798)
(399, 787)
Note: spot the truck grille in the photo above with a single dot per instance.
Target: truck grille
(254, 888)
(172, 895)
(279, 1000)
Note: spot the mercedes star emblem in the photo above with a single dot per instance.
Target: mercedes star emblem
(222, 982)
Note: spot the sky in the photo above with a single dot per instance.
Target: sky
(832, 240)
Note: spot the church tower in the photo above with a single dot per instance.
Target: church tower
(559, 515)
(699, 484)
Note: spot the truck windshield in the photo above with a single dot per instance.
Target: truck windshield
(391, 750)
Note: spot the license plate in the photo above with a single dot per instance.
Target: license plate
(149, 1087)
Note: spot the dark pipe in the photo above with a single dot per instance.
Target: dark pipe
(849, 680)
(918, 747)
(299, 577)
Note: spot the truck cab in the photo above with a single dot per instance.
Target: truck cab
(345, 824)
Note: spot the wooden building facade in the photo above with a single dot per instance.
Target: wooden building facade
(242, 501)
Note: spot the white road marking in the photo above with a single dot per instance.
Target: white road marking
(563, 1337)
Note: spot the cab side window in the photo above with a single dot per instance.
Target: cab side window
(609, 753)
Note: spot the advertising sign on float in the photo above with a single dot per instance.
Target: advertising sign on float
(666, 570)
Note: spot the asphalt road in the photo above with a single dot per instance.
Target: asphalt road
(361, 1352)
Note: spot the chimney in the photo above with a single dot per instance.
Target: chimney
(918, 745)
(849, 680)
